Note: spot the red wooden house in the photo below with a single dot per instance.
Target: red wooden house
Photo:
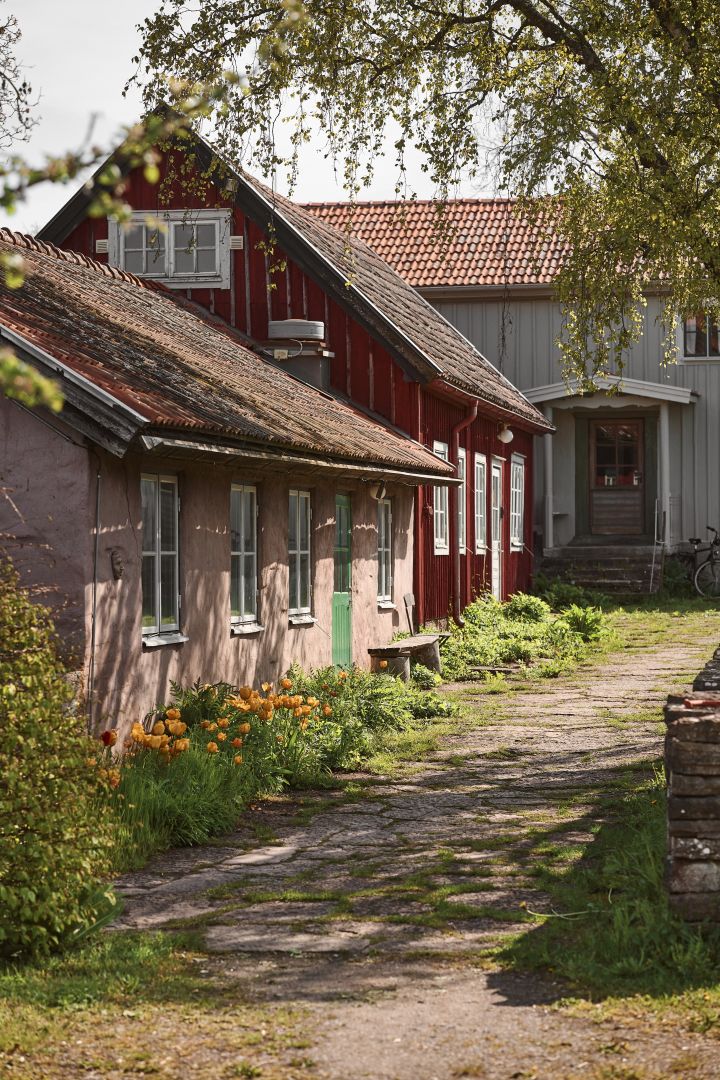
(256, 260)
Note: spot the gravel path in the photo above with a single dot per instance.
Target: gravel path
(374, 914)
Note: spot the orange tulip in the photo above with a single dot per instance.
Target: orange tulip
(237, 760)
(237, 743)
(212, 748)
(244, 729)
(286, 684)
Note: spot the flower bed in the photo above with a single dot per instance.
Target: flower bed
(187, 773)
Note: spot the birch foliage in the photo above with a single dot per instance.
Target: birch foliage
(607, 114)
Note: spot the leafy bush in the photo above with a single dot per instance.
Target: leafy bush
(54, 815)
(424, 678)
(522, 631)
(677, 576)
(560, 594)
(526, 608)
(588, 622)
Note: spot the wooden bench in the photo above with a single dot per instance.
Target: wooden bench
(423, 648)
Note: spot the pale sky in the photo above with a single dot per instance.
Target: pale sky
(77, 55)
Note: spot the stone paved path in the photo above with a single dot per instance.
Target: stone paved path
(374, 914)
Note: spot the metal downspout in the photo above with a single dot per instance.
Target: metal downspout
(91, 678)
(454, 537)
(419, 582)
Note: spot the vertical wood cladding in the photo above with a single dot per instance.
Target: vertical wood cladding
(269, 285)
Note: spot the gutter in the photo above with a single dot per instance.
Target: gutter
(467, 420)
(369, 471)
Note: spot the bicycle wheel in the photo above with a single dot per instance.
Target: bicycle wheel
(707, 578)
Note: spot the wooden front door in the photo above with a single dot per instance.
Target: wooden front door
(496, 524)
(617, 480)
(342, 601)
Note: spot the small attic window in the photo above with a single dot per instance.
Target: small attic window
(183, 249)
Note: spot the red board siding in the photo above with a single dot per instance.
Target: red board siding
(364, 370)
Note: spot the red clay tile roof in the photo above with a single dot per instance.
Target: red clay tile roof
(169, 361)
(454, 357)
(483, 242)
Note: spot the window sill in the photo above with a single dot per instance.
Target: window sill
(243, 629)
(155, 641)
(698, 359)
(441, 551)
(516, 547)
(481, 551)
(386, 605)
(302, 620)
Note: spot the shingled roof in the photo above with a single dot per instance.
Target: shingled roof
(364, 283)
(425, 330)
(481, 242)
(177, 368)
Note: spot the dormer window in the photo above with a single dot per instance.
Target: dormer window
(183, 249)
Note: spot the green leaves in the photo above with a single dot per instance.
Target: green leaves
(605, 112)
(54, 818)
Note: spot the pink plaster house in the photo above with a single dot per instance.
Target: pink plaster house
(195, 511)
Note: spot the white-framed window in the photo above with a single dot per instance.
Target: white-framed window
(699, 338)
(160, 551)
(440, 506)
(299, 553)
(480, 503)
(462, 499)
(182, 248)
(384, 551)
(243, 554)
(517, 501)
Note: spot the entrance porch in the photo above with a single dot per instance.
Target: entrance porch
(608, 475)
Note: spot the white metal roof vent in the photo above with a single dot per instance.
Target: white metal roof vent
(296, 329)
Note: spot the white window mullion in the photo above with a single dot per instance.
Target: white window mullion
(517, 501)
(462, 500)
(480, 503)
(440, 506)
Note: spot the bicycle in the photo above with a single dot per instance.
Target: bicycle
(706, 574)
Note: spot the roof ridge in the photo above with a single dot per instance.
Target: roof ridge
(43, 247)
(411, 202)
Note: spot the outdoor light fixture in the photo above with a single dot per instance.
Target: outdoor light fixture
(505, 435)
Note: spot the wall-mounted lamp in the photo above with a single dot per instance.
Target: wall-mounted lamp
(377, 491)
(505, 435)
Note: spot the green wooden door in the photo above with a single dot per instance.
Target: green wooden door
(342, 602)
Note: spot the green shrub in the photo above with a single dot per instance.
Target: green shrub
(424, 678)
(677, 576)
(526, 608)
(588, 622)
(54, 815)
(562, 594)
(522, 631)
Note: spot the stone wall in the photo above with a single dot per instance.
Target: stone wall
(692, 762)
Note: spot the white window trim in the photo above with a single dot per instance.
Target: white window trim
(159, 633)
(481, 505)
(441, 505)
(250, 622)
(301, 615)
(517, 515)
(385, 555)
(166, 219)
(462, 500)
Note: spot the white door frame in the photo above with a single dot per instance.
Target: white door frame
(496, 526)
